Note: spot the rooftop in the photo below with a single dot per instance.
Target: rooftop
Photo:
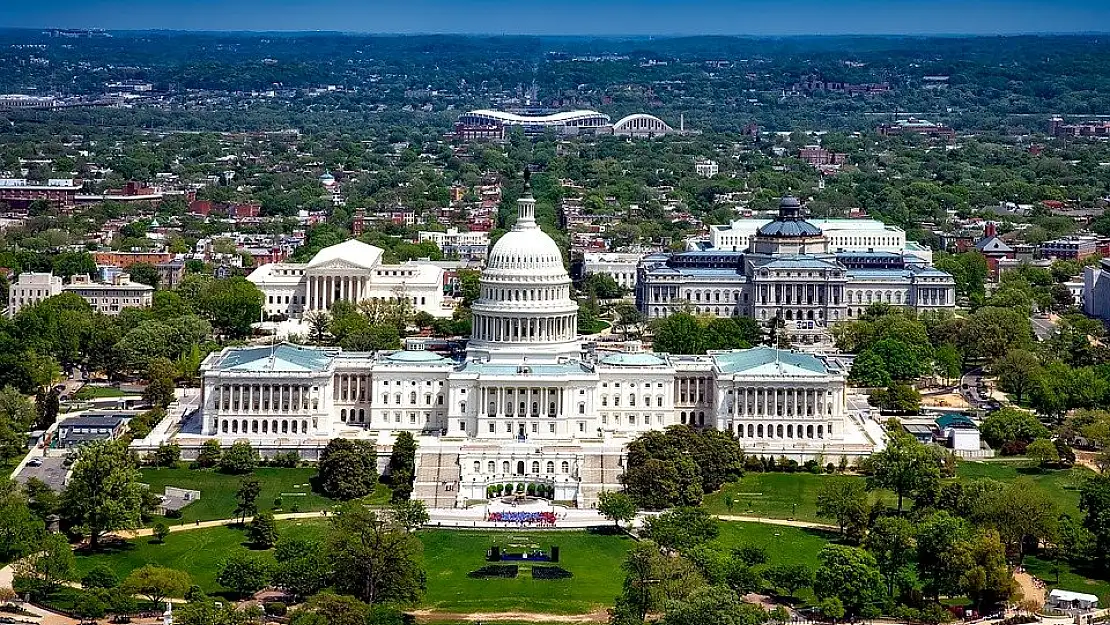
(285, 357)
(768, 361)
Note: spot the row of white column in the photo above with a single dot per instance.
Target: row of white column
(795, 402)
(263, 398)
(525, 329)
(323, 291)
(508, 404)
(350, 388)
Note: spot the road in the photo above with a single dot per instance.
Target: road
(969, 388)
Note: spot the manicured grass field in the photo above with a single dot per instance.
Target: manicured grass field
(94, 392)
(784, 545)
(448, 556)
(794, 495)
(594, 559)
(217, 491)
(772, 495)
(1063, 485)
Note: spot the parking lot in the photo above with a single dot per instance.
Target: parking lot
(52, 471)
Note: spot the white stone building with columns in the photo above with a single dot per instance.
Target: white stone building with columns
(351, 271)
(527, 404)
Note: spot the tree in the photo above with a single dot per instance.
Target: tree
(1012, 424)
(832, 608)
(263, 530)
(160, 374)
(167, 455)
(948, 361)
(731, 333)
(246, 498)
(244, 573)
(375, 560)
(156, 583)
(849, 574)
(104, 492)
(897, 398)
(988, 582)
(603, 286)
(714, 605)
(329, 608)
(869, 370)
(348, 469)
(905, 466)
(1094, 502)
(789, 577)
(616, 506)
(49, 566)
(100, 576)
(654, 581)
(942, 554)
(302, 568)
(410, 514)
(1043, 452)
(17, 415)
(145, 273)
(402, 466)
(161, 531)
(238, 459)
(210, 454)
(682, 528)
(678, 334)
(20, 530)
(891, 541)
(1017, 372)
(232, 305)
(844, 499)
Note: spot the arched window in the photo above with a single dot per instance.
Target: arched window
(535, 466)
(412, 398)
(477, 466)
(362, 415)
(550, 466)
(564, 467)
(343, 415)
(505, 467)
(790, 431)
(778, 431)
(760, 430)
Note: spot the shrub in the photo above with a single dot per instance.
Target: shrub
(277, 502)
(100, 576)
(173, 514)
(506, 571)
(550, 572)
(531, 490)
(1014, 448)
(286, 460)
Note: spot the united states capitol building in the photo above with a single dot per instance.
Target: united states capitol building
(527, 403)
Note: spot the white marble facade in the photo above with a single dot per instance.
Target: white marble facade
(351, 271)
(526, 404)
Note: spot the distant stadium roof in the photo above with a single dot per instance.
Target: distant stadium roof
(563, 118)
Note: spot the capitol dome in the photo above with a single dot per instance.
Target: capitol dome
(525, 311)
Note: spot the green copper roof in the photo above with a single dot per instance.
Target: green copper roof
(767, 361)
(284, 357)
(633, 360)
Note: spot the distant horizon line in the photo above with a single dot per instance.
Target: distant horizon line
(785, 35)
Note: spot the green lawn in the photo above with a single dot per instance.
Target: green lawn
(94, 392)
(794, 495)
(1063, 485)
(773, 495)
(448, 555)
(1071, 578)
(594, 559)
(784, 545)
(217, 490)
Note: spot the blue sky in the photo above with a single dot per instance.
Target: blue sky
(583, 17)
